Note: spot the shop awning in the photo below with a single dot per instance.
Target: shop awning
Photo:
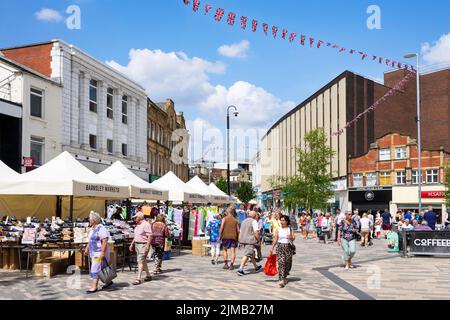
(219, 194)
(64, 176)
(178, 190)
(138, 188)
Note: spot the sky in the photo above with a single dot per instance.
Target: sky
(205, 66)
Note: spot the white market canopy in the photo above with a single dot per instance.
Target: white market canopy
(216, 192)
(64, 176)
(198, 184)
(6, 173)
(138, 188)
(178, 190)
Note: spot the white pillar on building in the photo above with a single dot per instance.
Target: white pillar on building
(84, 111)
(74, 107)
(117, 144)
(101, 117)
(131, 137)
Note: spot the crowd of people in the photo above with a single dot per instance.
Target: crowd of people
(276, 228)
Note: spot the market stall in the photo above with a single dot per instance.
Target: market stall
(219, 193)
(214, 197)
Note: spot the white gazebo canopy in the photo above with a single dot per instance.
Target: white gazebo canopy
(6, 173)
(138, 188)
(216, 192)
(64, 176)
(178, 190)
(197, 184)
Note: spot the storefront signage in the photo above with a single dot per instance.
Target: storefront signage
(100, 188)
(372, 189)
(433, 194)
(28, 162)
(430, 243)
(277, 195)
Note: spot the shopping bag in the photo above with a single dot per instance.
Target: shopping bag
(270, 269)
(108, 273)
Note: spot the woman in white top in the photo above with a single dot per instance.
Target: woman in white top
(326, 227)
(283, 240)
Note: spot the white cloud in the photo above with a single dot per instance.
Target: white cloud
(237, 50)
(257, 107)
(438, 52)
(49, 15)
(171, 75)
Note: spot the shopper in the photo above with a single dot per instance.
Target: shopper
(340, 216)
(302, 223)
(422, 227)
(406, 226)
(229, 235)
(447, 221)
(117, 214)
(366, 226)
(378, 226)
(97, 249)
(141, 244)
(160, 233)
(283, 241)
(326, 227)
(430, 217)
(372, 223)
(213, 228)
(249, 238)
(387, 219)
(347, 239)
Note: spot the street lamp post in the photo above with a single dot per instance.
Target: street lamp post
(236, 113)
(419, 137)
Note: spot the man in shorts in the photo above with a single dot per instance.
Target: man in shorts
(249, 238)
(229, 234)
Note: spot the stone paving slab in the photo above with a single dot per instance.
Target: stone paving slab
(317, 274)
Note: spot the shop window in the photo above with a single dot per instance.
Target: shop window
(358, 180)
(371, 179)
(37, 150)
(400, 153)
(109, 146)
(93, 87)
(415, 176)
(36, 102)
(110, 104)
(385, 179)
(124, 150)
(125, 110)
(385, 154)
(433, 176)
(400, 177)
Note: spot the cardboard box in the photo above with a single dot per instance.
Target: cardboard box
(5, 259)
(50, 267)
(42, 256)
(81, 261)
(13, 259)
(198, 248)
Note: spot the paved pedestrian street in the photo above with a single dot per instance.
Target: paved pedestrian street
(316, 275)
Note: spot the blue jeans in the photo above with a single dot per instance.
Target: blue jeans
(349, 248)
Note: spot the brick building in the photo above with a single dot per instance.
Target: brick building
(387, 176)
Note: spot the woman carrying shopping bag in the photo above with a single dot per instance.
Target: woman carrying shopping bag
(285, 249)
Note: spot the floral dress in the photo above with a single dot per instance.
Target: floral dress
(348, 231)
(96, 237)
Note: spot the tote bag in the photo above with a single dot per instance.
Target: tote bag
(270, 269)
(108, 273)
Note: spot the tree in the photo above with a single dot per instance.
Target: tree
(245, 192)
(311, 188)
(447, 186)
(222, 185)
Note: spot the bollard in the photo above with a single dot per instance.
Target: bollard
(405, 245)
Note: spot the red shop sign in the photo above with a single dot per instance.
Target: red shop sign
(433, 194)
(28, 162)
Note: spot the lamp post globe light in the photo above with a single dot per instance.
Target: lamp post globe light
(419, 138)
(236, 113)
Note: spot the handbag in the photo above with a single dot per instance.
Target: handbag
(108, 273)
(270, 269)
(292, 246)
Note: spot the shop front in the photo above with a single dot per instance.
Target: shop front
(407, 198)
(370, 198)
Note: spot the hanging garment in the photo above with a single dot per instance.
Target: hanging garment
(192, 225)
(170, 213)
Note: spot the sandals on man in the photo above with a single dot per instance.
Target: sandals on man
(137, 282)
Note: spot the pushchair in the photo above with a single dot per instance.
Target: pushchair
(267, 237)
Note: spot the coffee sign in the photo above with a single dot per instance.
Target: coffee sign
(430, 243)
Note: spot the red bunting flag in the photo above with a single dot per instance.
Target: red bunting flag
(254, 25)
(374, 58)
(393, 64)
(413, 69)
(284, 33)
(219, 14)
(328, 44)
(387, 61)
(265, 28)
(319, 43)
(208, 7)
(231, 18)
(363, 56)
(352, 51)
(186, 2)
(311, 42)
(243, 22)
(292, 37)
(399, 65)
(274, 31)
(335, 46)
(380, 60)
(342, 49)
(196, 5)
(302, 39)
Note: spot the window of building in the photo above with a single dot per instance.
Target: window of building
(110, 103)
(371, 179)
(385, 154)
(37, 150)
(415, 176)
(93, 88)
(400, 153)
(400, 177)
(433, 176)
(153, 131)
(36, 102)
(109, 146)
(93, 141)
(357, 180)
(124, 150)
(125, 109)
(385, 179)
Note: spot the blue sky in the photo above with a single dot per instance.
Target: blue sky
(272, 77)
